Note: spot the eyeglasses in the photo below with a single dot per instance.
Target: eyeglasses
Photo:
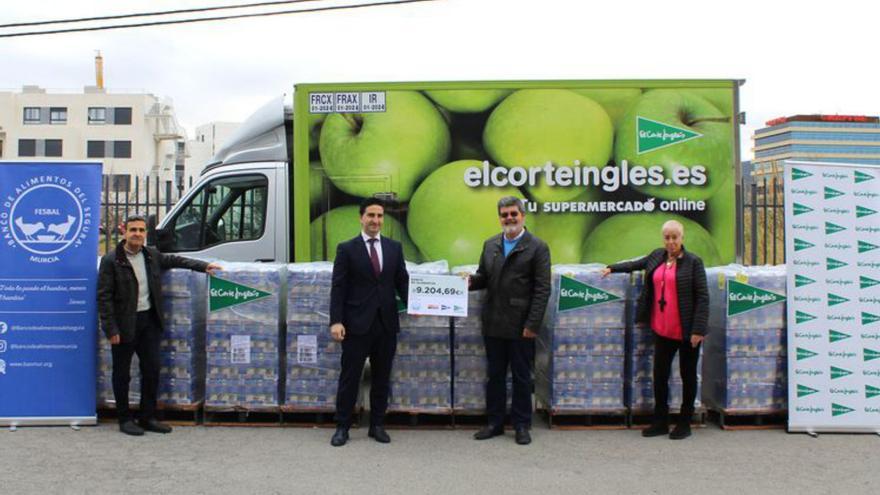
(511, 214)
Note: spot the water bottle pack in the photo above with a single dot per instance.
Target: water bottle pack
(242, 341)
(746, 353)
(580, 361)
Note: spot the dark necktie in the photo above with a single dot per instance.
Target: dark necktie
(374, 257)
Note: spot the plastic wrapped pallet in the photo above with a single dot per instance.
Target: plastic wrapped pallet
(243, 340)
(104, 382)
(421, 377)
(746, 368)
(581, 349)
(640, 365)
(182, 349)
(313, 357)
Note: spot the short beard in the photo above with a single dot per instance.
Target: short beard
(510, 229)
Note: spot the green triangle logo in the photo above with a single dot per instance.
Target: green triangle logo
(797, 174)
(865, 282)
(863, 177)
(871, 354)
(800, 209)
(653, 135)
(834, 299)
(871, 392)
(742, 298)
(864, 247)
(833, 264)
(839, 372)
(837, 409)
(225, 294)
(831, 228)
(835, 336)
(861, 211)
(801, 317)
(804, 354)
(574, 294)
(803, 390)
(800, 280)
(868, 318)
(832, 193)
(800, 244)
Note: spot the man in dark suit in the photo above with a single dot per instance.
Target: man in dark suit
(515, 268)
(367, 272)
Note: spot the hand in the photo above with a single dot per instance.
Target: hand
(528, 334)
(605, 272)
(213, 267)
(337, 331)
(467, 276)
(115, 340)
(696, 339)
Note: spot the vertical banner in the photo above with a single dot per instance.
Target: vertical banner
(832, 245)
(49, 217)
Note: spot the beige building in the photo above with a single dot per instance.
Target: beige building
(134, 134)
(208, 139)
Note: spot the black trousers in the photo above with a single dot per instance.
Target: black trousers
(519, 356)
(664, 352)
(146, 345)
(380, 346)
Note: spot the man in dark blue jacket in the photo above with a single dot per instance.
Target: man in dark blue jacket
(367, 272)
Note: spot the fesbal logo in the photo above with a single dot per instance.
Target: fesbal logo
(45, 215)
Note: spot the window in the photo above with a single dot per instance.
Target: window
(27, 147)
(31, 115)
(97, 115)
(58, 115)
(121, 149)
(53, 147)
(225, 210)
(122, 116)
(95, 149)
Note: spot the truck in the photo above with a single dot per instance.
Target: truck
(600, 165)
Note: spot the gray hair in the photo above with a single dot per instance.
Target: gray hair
(507, 201)
(673, 224)
(134, 218)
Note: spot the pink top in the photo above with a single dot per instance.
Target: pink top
(666, 321)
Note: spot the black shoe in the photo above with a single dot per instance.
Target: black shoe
(129, 427)
(340, 437)
(155, 426)
(488, 432)
(656, 430)
(379, 434)
(522, 436)
(681, 431)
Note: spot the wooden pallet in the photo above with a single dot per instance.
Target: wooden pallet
(749, 419)
(597, 419)
(240, 416)
(173, 414)
(641, 418)
(419, 419)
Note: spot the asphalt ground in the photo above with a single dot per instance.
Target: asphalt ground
(264, 460)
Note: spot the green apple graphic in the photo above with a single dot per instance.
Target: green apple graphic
(564, 233)
(396, 148)
(722, 98)
(623, 237)
(316, 120)
(535, 126)
(678, 110)
(343, 223)
(467, 100)
(615, 101)
(448, 220)
(721, 220)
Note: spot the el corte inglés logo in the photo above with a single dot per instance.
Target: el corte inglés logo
(653, 135)
(574, 294)
(861, 211)
(864, 247)
(862, 177)
(871, 354)
(801, 317)
(833, 264)
(800, 209)
(834, 299)
(225, 294)
(804, 354)
(803, 390)
(800, 281)
(743, 297)
(839, 372)
(835, 336)
(831, 228)
(832, 193)
(871, 392)
(868, 318)
(800, 244)
(866, 282)
(838, 409)
(797, 174)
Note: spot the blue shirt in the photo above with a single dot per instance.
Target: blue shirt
(510, 244)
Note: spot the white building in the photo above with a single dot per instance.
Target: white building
(134, 134)
(208, 139)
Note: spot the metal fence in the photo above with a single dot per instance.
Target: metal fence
(762, 233)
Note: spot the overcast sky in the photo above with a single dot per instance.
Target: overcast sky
(804, 57)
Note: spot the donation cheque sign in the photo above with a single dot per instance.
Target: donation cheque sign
(49, 216)
(437, 295)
